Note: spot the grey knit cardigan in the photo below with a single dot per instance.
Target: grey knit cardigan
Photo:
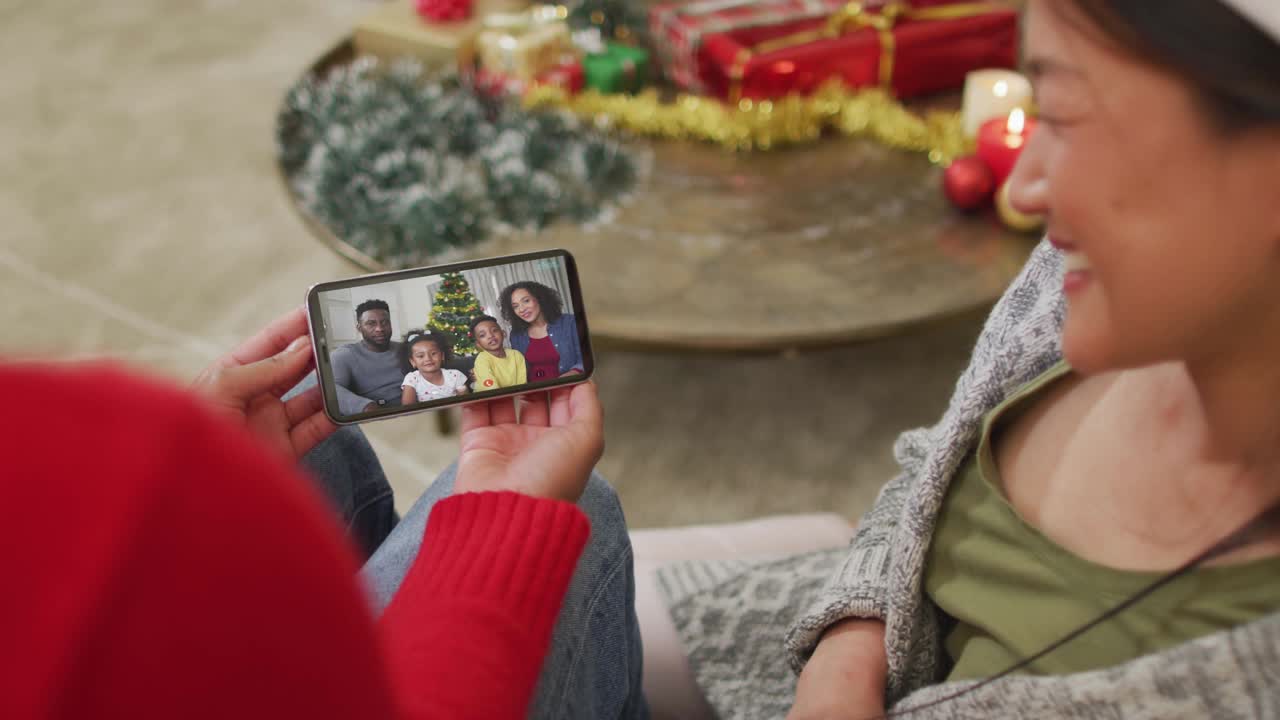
(741, 622)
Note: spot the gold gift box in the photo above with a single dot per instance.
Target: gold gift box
(395, 30)
(524, 45)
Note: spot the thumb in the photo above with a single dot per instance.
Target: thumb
(587, 419)
(275, 374)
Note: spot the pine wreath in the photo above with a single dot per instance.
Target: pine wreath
(406, 167)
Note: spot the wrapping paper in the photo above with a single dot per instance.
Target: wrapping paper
(761, 49)
(395, 30)
(523, 47)
(619, 69)
(678, 27)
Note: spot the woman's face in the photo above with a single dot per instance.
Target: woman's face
(525, 305)
(1170, 229)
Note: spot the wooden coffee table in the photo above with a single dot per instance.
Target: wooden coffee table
(839, 241)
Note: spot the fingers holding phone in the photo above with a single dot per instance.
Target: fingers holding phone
(249, 382)
(548, 451)
(513, 327)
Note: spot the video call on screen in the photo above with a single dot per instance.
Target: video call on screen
(439, 337)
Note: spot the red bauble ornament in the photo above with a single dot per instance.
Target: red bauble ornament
(968, 182)
(444, 10)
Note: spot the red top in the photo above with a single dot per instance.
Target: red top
(160, 562)
(543, 359)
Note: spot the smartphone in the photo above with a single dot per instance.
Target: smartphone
(402, 342)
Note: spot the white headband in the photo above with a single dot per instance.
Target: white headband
(1264, 13)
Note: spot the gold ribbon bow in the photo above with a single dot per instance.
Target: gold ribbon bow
(852, 18)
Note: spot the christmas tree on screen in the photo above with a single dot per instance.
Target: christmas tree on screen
(452, 311)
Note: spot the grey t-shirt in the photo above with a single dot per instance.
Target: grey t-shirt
(364, 376)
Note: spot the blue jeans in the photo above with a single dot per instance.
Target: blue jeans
(592, 669)
(350, 475)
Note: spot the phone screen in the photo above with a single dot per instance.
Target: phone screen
(412, 340)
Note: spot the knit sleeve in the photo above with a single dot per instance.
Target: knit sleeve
(467, 631)
(881, 577)
(861, 586)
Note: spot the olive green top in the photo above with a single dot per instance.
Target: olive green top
(1012, 591)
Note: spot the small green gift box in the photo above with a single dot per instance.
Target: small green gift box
(619, 69)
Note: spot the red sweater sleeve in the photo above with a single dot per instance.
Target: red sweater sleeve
(158, 562)
(467, 631)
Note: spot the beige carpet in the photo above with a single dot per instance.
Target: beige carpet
(142, 220)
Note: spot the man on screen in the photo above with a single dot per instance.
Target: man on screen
(368, 374)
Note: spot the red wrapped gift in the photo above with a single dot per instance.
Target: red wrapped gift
(678, 27)
(910, 50)
(568, 76)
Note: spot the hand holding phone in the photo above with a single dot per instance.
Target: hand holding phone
(548, 450)
(249, 382)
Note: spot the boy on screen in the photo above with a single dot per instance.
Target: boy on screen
(496, 366)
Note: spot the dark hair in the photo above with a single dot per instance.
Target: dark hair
(413, 337)
(1228, 60)
(548, 299)
(368, 305)
(471, 329)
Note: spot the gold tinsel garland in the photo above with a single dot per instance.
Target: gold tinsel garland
(768, 124)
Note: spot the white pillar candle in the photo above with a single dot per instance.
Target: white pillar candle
(993, 93)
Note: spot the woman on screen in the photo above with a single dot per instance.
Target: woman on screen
(541, 330)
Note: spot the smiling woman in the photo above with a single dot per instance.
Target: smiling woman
(1156, 166)
(1112, 440)
(541, 330)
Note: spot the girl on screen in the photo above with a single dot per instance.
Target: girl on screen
(427, 352)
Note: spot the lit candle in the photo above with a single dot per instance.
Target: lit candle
(1000, 142)
(990, 94)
